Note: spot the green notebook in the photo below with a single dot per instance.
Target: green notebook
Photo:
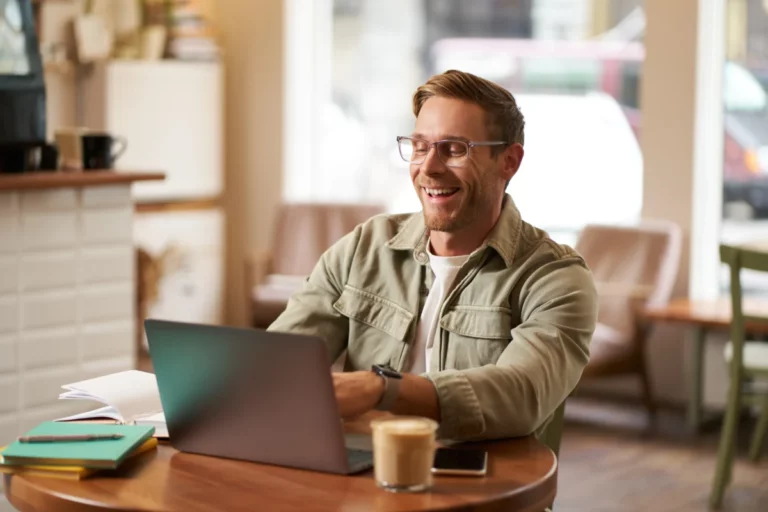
(106, 454)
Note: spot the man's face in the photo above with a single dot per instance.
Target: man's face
(455, 197)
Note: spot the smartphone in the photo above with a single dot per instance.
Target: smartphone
(450, 461)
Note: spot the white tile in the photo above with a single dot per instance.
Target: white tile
(50, 347)
(48, 309)
(112, 195)
(107, 226)
(9, 275)
(9, 428)
(8, 203)
(106, 303)
(9, 233)
(48, 200)
(49, 231)
(8, 352)
(42, 387)
(9, 394)
(48, 270)
(102, 341)
(33, 416)
(107, 265)
(92, 369)
(9, 314)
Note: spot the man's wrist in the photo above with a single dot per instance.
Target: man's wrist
(378, 386)
(391, 379)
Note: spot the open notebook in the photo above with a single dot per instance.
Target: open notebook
(129, 397)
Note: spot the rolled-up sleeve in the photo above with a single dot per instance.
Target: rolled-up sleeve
(538, 369)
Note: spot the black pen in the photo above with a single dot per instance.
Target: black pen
(65, 438)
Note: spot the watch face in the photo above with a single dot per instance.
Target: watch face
(388, 372)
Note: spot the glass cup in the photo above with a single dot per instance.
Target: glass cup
(403, 452)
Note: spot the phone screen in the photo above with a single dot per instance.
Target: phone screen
(449, 460)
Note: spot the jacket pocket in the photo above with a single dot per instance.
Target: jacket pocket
(475, 335)
(374, 311)
(378, 329)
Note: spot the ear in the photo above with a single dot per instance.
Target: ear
(512, 158)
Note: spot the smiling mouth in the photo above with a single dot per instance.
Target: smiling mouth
(440, 192)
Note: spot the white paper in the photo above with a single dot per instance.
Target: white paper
(156, 420)
(129, 394)
(104, 412)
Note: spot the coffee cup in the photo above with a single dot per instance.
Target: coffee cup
(100, 150)
(403, 452)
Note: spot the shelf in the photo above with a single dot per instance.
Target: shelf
(59, 179)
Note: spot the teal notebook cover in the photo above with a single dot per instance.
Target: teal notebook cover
(107, 453)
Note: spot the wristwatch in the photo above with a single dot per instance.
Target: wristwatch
(392, 380)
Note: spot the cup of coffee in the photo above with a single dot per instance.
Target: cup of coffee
(403, 452)
(100, 150)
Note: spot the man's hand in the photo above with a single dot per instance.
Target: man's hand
(357, 392)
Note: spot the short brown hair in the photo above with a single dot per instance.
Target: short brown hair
(505, 121)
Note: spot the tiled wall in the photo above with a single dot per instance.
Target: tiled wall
(66, 297)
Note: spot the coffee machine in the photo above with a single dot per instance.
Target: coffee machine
(22, 92)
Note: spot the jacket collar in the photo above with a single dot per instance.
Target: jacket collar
(503, 238)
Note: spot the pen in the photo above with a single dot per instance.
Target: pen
(64, 438)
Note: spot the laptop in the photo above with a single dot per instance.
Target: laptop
(252, 395)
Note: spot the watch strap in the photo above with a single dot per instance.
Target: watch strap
(391, 392)
(391, 386)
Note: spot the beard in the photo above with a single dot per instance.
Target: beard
(435, 219)
(449, 219)
(461, 212)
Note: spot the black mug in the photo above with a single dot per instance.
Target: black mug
(98, 152)
(28, 157)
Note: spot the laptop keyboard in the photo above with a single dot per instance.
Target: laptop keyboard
(359, 460)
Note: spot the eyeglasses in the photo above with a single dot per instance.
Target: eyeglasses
(453, 153)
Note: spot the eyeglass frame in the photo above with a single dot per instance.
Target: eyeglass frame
(470, 144)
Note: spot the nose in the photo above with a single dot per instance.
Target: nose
(432, 163)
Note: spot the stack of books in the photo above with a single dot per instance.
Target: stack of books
(75, 450)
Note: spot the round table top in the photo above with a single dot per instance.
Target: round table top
(522, 476)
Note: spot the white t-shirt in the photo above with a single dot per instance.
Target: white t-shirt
(445, 269)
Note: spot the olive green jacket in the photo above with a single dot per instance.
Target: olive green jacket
(513, 334)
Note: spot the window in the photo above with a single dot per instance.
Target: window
(745, 137)
(575, 73)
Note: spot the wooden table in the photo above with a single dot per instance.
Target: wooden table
(522, 476)
(702, 317)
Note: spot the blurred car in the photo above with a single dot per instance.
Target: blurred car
(582, 165)
(614, 67)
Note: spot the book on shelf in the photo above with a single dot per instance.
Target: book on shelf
(129, 398)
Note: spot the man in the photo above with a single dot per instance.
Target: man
(463, 313)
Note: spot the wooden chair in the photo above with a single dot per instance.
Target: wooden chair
(747, 360)
(633, 267)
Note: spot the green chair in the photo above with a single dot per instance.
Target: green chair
(747, 360)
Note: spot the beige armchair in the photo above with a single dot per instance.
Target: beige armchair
(633, 267)
(302, 232)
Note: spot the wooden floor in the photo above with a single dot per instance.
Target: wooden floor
(611, 461)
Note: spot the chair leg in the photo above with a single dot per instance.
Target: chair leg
(725, 454)
(758, 438)
(645, 382)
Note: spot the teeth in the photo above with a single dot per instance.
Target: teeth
(439, 191)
